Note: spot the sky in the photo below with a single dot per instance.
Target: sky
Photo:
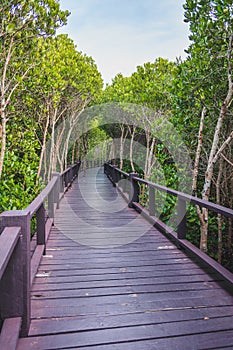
(123, 34)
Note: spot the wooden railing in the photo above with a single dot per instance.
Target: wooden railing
(130, 190)
(92, 163)
(18, 265)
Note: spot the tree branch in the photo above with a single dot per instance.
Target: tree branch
(198, 151)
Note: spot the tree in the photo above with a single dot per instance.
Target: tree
(61, 86)
(146, 90)
(210, 54)
(21, 22)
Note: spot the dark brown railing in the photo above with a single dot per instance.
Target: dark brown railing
(18, 265)
(92, 163)
(131, 192)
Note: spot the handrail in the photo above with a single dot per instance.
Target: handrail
(123, 172)
(17, 267)
(183, 196)
(92, 163)
(133, 198)
(36, 203)
(11, 277)
(8, 241)
(188, 198)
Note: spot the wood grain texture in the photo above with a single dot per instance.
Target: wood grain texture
(8, 241)
(110, 280)
(10, 333)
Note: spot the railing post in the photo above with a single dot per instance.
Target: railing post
(151, 201)
(119, 180)
(124, 184)
(77, 168)
(181, 217)
(51, 204)
(134, 190)
(108, 169)
(16, 290)
(70, 174)
(40, 225)
(11, 286)
(118, 175)
(56, 189)
(66, 179)
(62, 180)
(114, 175)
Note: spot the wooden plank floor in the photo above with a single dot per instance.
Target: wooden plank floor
(111, 281)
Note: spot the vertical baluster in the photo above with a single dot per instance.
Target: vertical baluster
(114, 175)
(181, 230)
(124, 184)
(134, 190)
(51, 204)
(56, 188)
(40, 225)
(151, 201)
(16, 288)
(62, 183)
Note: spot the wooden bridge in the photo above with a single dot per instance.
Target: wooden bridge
(101, 275)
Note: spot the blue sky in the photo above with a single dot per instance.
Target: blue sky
(122, 34)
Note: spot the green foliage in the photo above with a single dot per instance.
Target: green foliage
(45, 79)
(92, 143)
(31, 17)
(149, 86)
(22, 23)
(62, 75)
(18, 181)
(201, 80)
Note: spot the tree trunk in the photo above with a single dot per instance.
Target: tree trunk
(73, 119)
(230, 225)
(122, 143)
(73, 153)
(147, 155)
(112, 153)
(204, 229)
(42, 153)
(66, 146)
(131, 150)
(60, 146)
(198, 152)
(220, 219)
(52, 146)
(214, 149)
(77, 153)
(150, 159)
(3, 137)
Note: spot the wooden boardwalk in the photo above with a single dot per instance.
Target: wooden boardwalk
(111, 281)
